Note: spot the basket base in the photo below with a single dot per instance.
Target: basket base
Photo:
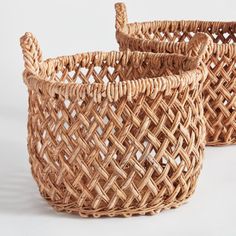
(221, 143)
(128, 212)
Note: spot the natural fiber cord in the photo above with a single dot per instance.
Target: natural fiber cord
(117, 133)
(219, 89)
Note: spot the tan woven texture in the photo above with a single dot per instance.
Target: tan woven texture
(116, 133)
(172, 36)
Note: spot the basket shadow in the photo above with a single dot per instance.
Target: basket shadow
(19, 193)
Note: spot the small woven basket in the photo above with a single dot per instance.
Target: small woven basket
(172, 36)
(117, 133)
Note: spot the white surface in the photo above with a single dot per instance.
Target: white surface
(67, 27)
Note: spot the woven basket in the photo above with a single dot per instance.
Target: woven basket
(172, 36)
(103, 144)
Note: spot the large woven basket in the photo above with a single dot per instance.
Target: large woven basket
(103, 144)
(172, 36)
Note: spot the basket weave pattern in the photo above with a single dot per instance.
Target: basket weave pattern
(172, 36)
(116, 133)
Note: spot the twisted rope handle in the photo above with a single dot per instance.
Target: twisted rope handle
(200, 46)
(32, 53)
(121, 15)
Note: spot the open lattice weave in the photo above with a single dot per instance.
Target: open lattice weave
(117, 133)
(172, 36)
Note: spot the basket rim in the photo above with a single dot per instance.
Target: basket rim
(193, 25)
(112, 90)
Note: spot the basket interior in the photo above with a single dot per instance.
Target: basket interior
(183, 31)
(73, 69)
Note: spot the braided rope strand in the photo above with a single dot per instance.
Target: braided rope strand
(31, 52)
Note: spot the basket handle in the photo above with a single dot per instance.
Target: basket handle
(32, 53)
(121, 15)
(200, 46)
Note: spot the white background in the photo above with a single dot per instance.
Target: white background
(68, 27)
